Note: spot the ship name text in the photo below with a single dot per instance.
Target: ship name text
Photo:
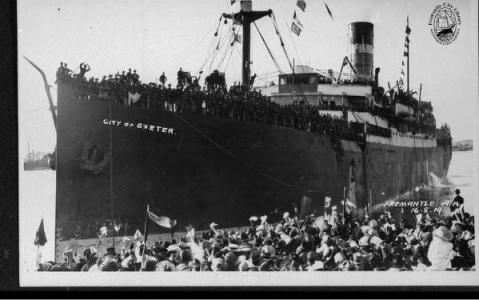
(139, 125)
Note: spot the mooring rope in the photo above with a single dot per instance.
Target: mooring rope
(229, 153)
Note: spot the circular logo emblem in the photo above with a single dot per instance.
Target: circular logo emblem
(445, 22)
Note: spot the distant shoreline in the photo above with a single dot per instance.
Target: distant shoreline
(464, 145)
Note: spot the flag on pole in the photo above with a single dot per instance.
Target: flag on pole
(145, 229)
(402, 72)
(407, 39)
(161, 220)
(402, 63)
(406, 54)
(295, 19)
(329, 11)
(295, 28)
(40, 237)
(301, 4)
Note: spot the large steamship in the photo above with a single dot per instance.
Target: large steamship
(197, 166)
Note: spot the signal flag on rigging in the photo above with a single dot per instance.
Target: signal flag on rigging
(295, 19)
(329, 11)
(301, 4)
(295, 28)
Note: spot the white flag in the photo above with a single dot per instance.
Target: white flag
(161, 220)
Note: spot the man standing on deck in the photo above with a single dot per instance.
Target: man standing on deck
(163, 79)
(457, 206)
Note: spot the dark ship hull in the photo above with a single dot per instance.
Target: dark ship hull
(214, 169)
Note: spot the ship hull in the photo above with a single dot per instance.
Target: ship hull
(200, 169)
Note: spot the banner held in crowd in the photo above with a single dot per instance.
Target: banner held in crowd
(161, 220)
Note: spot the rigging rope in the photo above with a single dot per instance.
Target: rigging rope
(267, 48)
(218, 49)
(292, 41)
(300, 89)
(219, 68)
(212, 47)
(275, 24)
(230, 154)
(229, 58)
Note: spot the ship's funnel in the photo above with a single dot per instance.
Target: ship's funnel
(361, 36)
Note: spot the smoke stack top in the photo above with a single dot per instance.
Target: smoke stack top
(361, 36)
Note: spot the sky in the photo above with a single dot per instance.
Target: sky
(155, 36)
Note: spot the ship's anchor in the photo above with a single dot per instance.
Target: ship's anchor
(88, 161)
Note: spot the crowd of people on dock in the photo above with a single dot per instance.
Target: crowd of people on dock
(329, 242)
(238, 102)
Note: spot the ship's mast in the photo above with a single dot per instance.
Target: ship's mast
(245, 17)
(407, 57)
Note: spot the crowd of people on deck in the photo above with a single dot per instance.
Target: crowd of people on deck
(326, 243)
(238, 102)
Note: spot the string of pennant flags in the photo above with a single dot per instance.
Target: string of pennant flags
(296, 25)
(406, 52)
